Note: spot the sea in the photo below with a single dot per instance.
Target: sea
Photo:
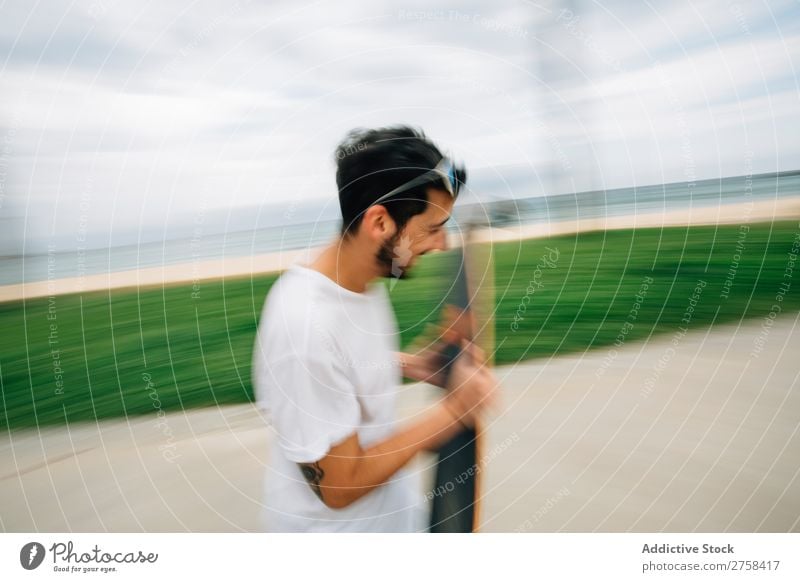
(206, 244)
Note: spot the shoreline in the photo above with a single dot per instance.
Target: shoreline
(195, 272)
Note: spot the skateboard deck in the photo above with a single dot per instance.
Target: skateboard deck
(469, 300)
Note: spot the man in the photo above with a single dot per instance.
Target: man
(326, 366)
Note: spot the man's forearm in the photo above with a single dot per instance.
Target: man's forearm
(377, 463)
(408, 365)
(418, 368)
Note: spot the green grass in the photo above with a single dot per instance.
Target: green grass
(197, 351)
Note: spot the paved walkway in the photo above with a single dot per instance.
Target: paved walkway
(702, 438)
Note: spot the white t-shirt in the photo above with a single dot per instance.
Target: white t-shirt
(324, 367)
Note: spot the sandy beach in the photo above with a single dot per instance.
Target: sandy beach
(196, 271)
(711, 446)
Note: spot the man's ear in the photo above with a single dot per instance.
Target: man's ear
(378, 223)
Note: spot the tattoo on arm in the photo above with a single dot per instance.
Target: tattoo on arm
(313, 474)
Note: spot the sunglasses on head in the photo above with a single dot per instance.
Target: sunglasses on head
(444, 170)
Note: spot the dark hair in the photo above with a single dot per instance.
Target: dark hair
(372, 162)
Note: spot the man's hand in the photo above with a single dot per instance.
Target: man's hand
(424, 362)
(424, 367)
(471, 386)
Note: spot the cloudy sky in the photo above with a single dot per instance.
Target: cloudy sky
(130, 115)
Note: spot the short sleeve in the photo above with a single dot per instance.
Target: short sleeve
(312, 404)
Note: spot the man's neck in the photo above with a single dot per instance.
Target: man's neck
(346, 265)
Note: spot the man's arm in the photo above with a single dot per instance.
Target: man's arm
(349, 472)
(413, 367)
(427, 366)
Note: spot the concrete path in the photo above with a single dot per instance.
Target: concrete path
(700, 434)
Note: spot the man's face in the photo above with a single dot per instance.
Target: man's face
(422, 233)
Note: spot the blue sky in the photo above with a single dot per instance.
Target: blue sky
(125, 115)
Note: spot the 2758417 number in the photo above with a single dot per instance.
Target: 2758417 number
(754, 565)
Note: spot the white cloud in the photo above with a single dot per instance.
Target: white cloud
(159, 104)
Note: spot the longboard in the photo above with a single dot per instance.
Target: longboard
(469, 300)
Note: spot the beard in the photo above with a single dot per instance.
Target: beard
(393, 259)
